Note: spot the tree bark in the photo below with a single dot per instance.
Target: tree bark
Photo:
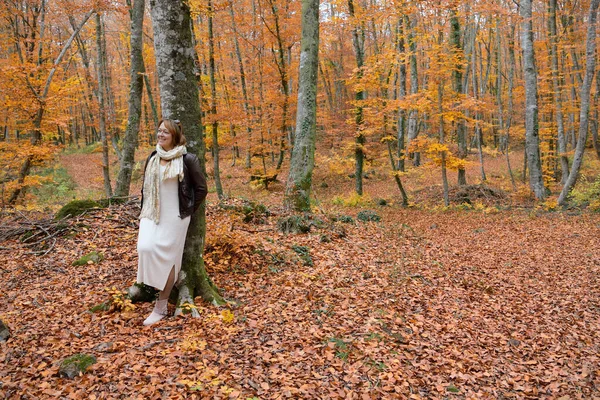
(413, 123)
(174, 53)
(101, 57)
(457, 77)
(242, 72)
(401, 95)
(358, 40)
(134, 109)
(558, 114)
(285, 87)
(213, 107)
(595, 121)
(585, 102)
(532, 142)
(299, 183)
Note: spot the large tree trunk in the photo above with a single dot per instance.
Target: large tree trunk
(532, 141)
(298, 188)
(590, 68)
(358, 40)
(180, 100)
(134, 110)
(213, 107)
(101, 105)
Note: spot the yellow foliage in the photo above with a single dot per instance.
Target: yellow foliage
(119, 300)
(227, 316)
(336, 164)
(354, 200)
(550, 205)
(192, 343)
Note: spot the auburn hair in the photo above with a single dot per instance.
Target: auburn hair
(175, 129)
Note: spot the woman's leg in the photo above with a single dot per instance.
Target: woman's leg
(160, 308)
(164, 294)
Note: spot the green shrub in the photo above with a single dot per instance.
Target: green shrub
(304, 253)
(346, 219)
(56, 188)
(587, 195)
(255, 212)
(368, 216)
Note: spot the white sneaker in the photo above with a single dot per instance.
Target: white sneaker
(159, 312)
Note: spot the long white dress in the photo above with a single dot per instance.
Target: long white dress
(160, 246)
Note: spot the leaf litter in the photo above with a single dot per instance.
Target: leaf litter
(421, 305)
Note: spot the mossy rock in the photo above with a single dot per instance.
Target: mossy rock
(94, 257)
(368, 216)
(77, 364)
(140, 293)
(4, 332)
(298, 223)
(75, 208)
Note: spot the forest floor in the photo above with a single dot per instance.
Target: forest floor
(499, 299)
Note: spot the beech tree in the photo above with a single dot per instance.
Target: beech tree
(297, 194)
(532, 140)
(179, 99)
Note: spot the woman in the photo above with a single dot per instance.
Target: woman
(174, 187)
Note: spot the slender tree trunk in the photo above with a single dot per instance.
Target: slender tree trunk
(134, 109)
(401, 95)
(180, 100)
(442, 141)
(532, 146)
(213, 107)
(148, 86)
(585, 102)
(511, 75)
(299, 183)
(595, 121)
(478, 131)
(457, 87)
(246, 103)
(101, 105)
(282, 67)
(358, 40)
(413, 123)
(558, 114)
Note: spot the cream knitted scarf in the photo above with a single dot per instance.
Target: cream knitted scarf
(174, 168)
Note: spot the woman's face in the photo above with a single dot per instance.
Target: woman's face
(164, 137)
